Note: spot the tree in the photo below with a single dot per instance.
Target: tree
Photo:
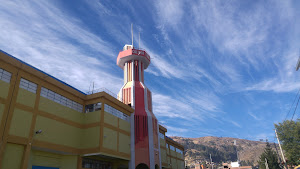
(289, 136)
(271, 157)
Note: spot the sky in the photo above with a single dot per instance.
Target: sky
(218, 68)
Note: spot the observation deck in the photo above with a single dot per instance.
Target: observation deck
(133, 54)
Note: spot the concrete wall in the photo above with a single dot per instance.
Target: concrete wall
(46, 159)
(12, 157)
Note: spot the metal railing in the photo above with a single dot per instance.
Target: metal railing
(106, 91)
(162, 124)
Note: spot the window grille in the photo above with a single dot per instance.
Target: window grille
(116, 112)
(28, 85)
(161, 135)
(5, 75)
(92, 107)
(61, 99)
(96, 164)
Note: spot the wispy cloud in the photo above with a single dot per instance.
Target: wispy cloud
(275, 85)
(235, 123)
(254, 116)
(173, 108)
(171, 11)
(45, 43)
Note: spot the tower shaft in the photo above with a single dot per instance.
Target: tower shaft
(145, 147)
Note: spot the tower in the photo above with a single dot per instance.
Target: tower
(145, 148)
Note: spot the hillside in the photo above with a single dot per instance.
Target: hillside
(221, 149)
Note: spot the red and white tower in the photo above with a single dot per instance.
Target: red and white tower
(145, 148)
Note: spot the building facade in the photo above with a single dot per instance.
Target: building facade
(47, 124)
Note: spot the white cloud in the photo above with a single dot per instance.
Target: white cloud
(192, 106)
(254, 116)
(166, 106)
(170, 11)
(275, 85)
(165, 68)
(235, 123)
(45, 44)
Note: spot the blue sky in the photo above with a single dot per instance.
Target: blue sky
(218, 68)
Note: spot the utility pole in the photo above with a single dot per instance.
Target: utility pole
(266, 163)
(212, 166)
(283, 159)
(277, 152)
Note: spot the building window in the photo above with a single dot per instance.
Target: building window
(179, 151)
(92, 107)
(95, 164)
(172, 147)
(161, 135)
(115, 112)
(28, 85)
(49, 94)
(5, 75)
(167, 145)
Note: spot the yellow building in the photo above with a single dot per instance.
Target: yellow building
(47, 124)
(171, 152)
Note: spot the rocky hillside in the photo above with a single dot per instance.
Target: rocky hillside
(221, 149)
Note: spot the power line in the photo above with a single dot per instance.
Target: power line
(296, 108)
(292, 105)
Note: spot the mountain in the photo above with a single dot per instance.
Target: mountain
(222, 149)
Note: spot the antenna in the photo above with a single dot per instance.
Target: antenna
(93, 88)
(131, 35)
(139, 40)
(298, 63)
(90, 87)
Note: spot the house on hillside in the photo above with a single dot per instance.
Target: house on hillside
(234, 165)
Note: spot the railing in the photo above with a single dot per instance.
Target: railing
(140, 51)
(104, 90)
(162, 125)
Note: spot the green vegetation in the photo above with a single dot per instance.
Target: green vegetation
(289, 136)
(246, 163)
(271, 157)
